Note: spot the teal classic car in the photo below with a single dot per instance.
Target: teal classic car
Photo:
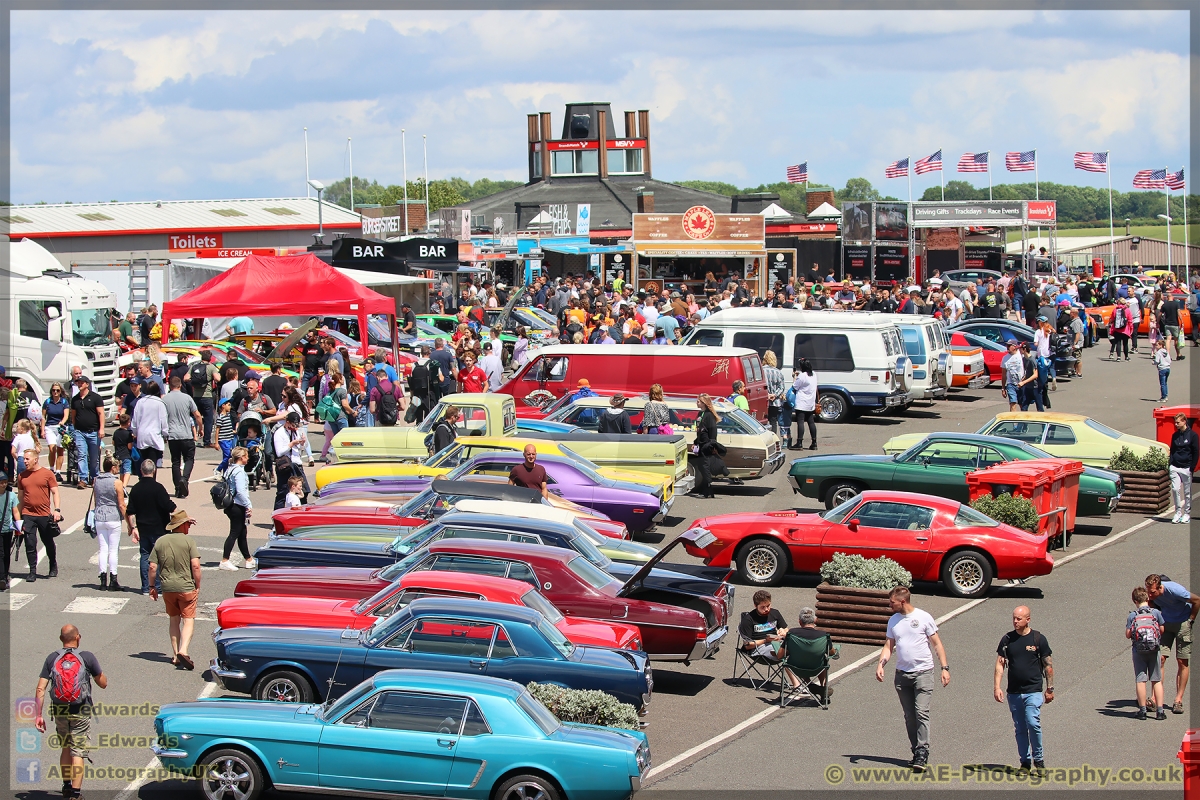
(937, 465)
(400, 733)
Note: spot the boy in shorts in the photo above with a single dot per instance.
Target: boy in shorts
(1144, 628)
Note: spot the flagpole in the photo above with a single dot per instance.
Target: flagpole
(1112, 239)
(350, 150)
(1167, 192)
(1187, 243)
(307, 188)
(1037, 192)
(989, 163)
(942, 174)
(404, 162)
(425, 155)
(909, 172)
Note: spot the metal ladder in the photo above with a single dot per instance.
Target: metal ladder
(139, 283)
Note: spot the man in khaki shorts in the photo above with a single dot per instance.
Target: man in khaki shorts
(176, 562)
(69, 673)
(1179, 608)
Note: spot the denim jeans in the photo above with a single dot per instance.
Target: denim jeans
(338, 424)
(146, 547)
(1163, 374)
(205, 406)
(1027, 719)
(87, 447)
(305, 380)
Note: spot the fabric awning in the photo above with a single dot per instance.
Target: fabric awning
(581, 249)
(684, 252)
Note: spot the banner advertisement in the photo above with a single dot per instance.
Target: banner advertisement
(781, 264)
(391, 257)
(856, 263)
(891, 264)
(1041, 211)
(953, 214)
(583, 219)
(699, 224)
(856, 222)
(891, 221)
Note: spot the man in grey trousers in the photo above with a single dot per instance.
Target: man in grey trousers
(910, 632)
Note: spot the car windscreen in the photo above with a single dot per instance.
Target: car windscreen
(838, 513)
(968, 517)
(589, 573)
(538, 603)
(1104, 429)
(541, 716)
(561, 643)
(583, 545)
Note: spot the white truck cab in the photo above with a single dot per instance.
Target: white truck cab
(57, 320)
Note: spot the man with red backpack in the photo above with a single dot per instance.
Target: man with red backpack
(68, 673)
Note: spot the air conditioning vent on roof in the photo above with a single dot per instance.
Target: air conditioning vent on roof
(96, 216)
(229, 212)
(282, 212)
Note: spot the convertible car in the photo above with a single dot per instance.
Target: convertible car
(936, 463)
(681, 617)
(402, 732)
(933, 538)
(300, 665)
(323, 612)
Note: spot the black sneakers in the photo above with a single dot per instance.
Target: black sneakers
(920, 760)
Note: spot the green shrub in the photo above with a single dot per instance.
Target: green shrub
(1156, 460)
(585, 705)
(861, 573)
(1016, 511)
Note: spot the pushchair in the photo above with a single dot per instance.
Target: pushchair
(251, 434)
(66, 434)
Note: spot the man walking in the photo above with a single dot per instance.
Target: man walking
(1185, 459)
(1014, 373)
(87, 417)
(384, 400)
(38, 490)
(910, 633)
(202, 375)
(69, 673)
(148, 512)
(447, 368)
(314, 360)
(492, 364)
(175, 562)
(1026, 653)
(1179, 608)
(184, 425)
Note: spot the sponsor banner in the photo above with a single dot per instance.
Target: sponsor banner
(366, 254)
(180, 242)
(780, 264)
(891, 221)
(236, 253)
(592, 144)
(983, 212)
(382, 226)
(856, 263)
(699, 224)
(891, 263)
(856, 222)
(1041, 210)
(583, 219)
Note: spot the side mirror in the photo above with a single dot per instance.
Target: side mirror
(52, 312)
(54, 328)
(853, 524)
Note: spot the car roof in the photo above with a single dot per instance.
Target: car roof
(459, 683)
(1041, 416)
(518, 510)
(774, 317)
(517, 457)
(915, 498)
(504, 521)
(521, 551)
(672, 401)
(435, 579)
(432, 606)
(626, 350)
(502, 442)
(974, 438)
(482, 488)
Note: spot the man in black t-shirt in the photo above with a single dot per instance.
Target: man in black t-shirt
(761, 628)
(87, 416)
(1026, 653)
(274, 384)
(148, 512)
(1170, 320)
(73, 719)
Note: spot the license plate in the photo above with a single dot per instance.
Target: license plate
(704, 540)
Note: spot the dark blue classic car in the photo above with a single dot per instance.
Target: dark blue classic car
(299, 665)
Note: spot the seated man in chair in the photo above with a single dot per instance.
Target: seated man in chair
(759, 630)
(808, 630)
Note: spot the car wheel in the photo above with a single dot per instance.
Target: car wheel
(283, 687)
(762, 562)
(840, 493)
(967, 573)
(526, 787)
(231, 774)
(832, 407)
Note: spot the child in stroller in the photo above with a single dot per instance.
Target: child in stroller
(250, 436)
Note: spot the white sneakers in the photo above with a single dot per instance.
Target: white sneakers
(251, 563)
(1181, 520)
(227, 565)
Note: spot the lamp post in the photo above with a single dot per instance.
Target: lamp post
(1167, 217)
(320, 234)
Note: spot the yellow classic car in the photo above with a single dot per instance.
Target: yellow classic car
(468, 447)
(482, 414)
(1061, 435)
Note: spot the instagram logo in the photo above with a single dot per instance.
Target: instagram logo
(25, 709)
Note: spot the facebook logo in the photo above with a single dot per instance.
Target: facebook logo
(29, 770)
(28, 741)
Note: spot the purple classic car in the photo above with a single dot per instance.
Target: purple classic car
(631, 503)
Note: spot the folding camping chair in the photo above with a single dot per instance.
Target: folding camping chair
(806, 660)
(758, 669)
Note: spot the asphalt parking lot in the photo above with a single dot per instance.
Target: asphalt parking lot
(1080, 607)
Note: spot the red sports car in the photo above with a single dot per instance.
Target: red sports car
(993, 352)
(931, 537)
(681, 617)
(323, 612)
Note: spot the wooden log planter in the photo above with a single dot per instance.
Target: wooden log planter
(1144, 492)
(854, 616)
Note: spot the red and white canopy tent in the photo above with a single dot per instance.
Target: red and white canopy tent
(300, 285)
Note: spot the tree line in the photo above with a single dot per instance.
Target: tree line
(442, 193)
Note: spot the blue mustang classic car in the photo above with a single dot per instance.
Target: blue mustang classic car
(402, 732)
(298, 665)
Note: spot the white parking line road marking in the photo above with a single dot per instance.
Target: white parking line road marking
(41, 552)
(95, 605)
(131, 790)
(864, 661)
(17, 601)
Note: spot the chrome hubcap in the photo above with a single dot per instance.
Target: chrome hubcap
(967, 575)
(842, 495)
(832, 407)
(527, 790)
(761, 563)
(228, 778)
(282, 691)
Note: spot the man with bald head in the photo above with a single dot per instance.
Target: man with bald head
(1026, 653)
(529, 473)
(69, 673)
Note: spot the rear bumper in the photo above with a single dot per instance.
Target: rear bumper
(664, 509)
(980, 381)
(710, 645)
(685, 484)
(896, 398)
(773, 463)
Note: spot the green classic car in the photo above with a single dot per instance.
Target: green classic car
(938, 465)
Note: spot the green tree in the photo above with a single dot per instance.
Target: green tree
(859, 189)
(716, 187)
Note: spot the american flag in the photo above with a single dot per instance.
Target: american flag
(1150, 179)
(1092, 162)
(897, 169)
(1175, 180)
(1025, 161)
(928, 163)
(973, 162)
(798, 173)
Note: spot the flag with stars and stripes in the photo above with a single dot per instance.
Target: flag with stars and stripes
(1175, 180)
(973, 162)
(1092, 162)
(798, 173)
(1150, 179)
(931, 163)
(1022, 161)
(897, 169)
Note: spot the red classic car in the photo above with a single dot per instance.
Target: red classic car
(993, 352)
(680, 616)
(931, 537)
(324, 612)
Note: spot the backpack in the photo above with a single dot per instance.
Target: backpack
(70, 681)
(198, 375)
(421, 376)
(389, 408)
(222, 493)
(327, 410)
(1146, 635)
(429, 438)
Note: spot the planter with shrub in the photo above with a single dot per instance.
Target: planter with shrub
(585, 705)
(1146, 481)
(852, 599)
(1016, 511)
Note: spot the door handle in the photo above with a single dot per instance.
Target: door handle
(922, 538)
(446, 742)
(478, 663)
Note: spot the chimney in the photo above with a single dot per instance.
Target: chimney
(602, 136)
(645, 202)
(630, 126)
(534, 137)
(644, 133)
(545, 118)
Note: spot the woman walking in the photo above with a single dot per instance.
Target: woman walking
(520, 353)
(293, 401)
(706, 441)
(54, 411)
(805, 389)
(655, 414)
(1120, 326)
(239, 512)
(109, 501)
(775, 391)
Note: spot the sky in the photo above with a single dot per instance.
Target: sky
(115, 105)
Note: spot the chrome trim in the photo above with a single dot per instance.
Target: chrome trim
(684, 485)
(478, 775)
(168, 752)
(222, 672)
(710, 643)
(635, 783)
(979, 381)
(291, 787)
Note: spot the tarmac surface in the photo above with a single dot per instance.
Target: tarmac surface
(707, 733)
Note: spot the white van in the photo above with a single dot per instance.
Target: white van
(858, 358)
(927, 346)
